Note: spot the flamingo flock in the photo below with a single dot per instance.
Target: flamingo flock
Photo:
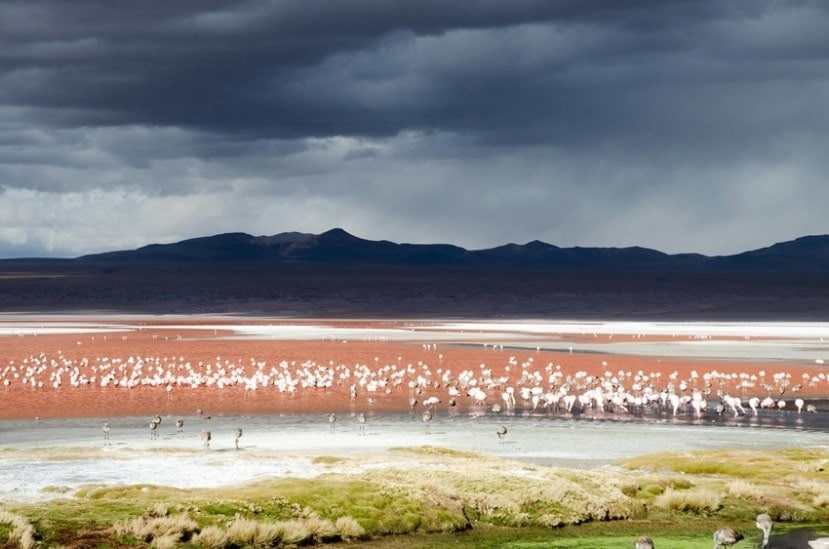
(511, 386)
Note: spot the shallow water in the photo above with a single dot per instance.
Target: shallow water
(71, 452)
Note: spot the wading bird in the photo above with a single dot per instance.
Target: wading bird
(644, 542)
(764, 522)
(427, 419)
(205, 437)
(726, 537)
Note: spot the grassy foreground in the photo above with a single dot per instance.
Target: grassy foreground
(431, 497)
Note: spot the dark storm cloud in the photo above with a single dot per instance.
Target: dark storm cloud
(209, 64)
(303, 68)
(556, 115)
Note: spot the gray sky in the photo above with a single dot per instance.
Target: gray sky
(684, 126)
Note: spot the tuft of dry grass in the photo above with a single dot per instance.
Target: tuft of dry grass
(163, 531)
(319, 529)
(748, 491)
(211, 537)
(819, 491)
(160, 509)
(695, 500)
(22, 531)
(244, 531)
(349, 529)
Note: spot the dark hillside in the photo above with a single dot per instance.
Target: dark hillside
(337, 274)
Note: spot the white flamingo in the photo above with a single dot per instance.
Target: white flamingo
(431, 402)
(754, 403)
(673, 398)
(735, 404)
(478, 396)
(508, 396)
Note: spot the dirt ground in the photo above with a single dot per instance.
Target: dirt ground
(79, 374)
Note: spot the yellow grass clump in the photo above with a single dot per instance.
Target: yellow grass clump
(695, 500)
(22, 531)
(349, 529)
(164, 531)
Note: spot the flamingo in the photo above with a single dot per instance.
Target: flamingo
(753, 403)
(478, 396)
(105, 429)
(361, 419)
(432, 402)
(735, 404)
(508, 396)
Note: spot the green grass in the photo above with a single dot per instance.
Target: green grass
(430, 497)
(739, 464)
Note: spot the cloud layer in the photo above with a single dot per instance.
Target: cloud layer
(682, 126)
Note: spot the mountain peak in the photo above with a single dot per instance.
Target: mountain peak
(805, 254)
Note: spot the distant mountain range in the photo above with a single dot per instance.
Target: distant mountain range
(806, 254)
(335, 274)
